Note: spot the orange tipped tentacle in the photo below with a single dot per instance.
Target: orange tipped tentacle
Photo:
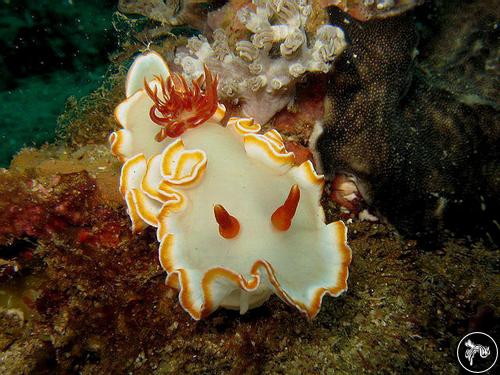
(229, 226)
(282, 217)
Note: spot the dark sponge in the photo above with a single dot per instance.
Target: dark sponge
(426, 159)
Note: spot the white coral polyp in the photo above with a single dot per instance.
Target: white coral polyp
(250, 174)
(274, 23)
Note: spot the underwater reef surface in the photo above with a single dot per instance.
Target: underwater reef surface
(49, 51)
(79, 293)
(85, 295)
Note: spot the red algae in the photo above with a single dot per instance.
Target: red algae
(298, 121)
(38, 207)
(302, 153)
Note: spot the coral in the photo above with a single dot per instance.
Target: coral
(365, 10)
(224, 18)
(261, 73)
(196, 181)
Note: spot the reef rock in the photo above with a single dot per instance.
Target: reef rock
(364, 10)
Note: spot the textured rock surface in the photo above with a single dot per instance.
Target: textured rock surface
(168, 13)
(466, 62)
(100, 306)
(364, 10)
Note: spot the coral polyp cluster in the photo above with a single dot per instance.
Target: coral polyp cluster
(178, 106)
(236, 219)
(261, 73)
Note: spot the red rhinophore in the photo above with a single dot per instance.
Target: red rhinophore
(229, 226)
(282, 217)
(182, 107)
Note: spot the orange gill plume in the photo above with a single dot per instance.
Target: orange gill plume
(229, 226)
(180, 107)
(282, 217)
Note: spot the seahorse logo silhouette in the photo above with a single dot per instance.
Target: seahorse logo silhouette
(477, 352)
(484, 351)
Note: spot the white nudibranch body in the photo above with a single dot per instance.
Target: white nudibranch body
(236, 219)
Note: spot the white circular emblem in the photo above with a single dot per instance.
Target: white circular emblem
(477, 352)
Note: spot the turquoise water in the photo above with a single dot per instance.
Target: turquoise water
(49, 51)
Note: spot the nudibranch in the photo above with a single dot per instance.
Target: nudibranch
(236, 219)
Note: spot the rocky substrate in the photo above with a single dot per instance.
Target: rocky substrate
(81, 293)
